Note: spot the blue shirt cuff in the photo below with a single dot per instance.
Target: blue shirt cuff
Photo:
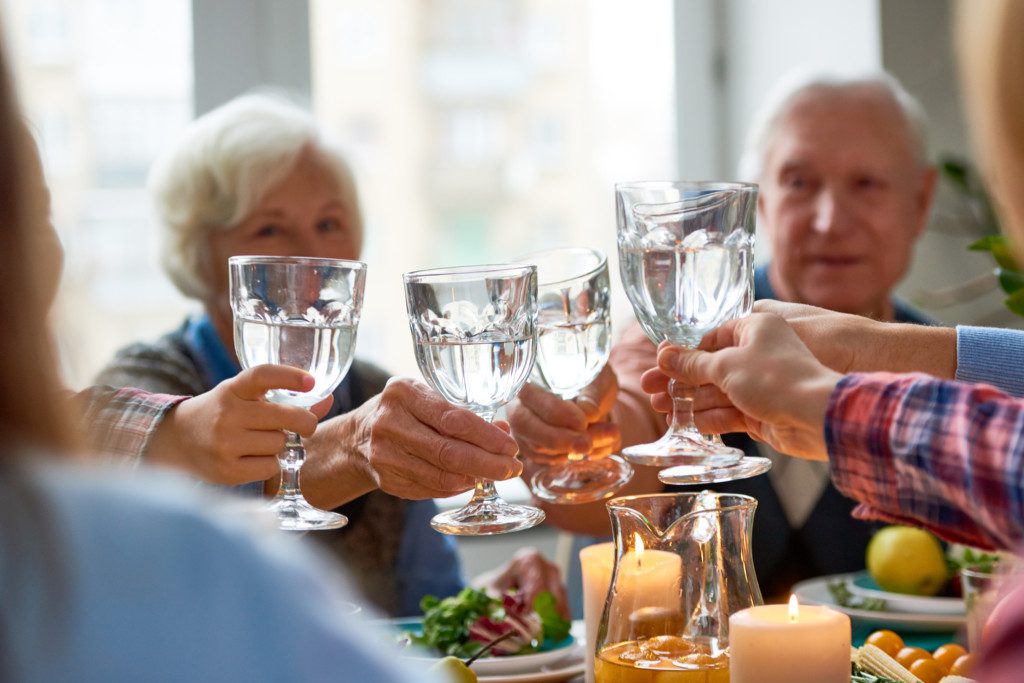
(991, 355)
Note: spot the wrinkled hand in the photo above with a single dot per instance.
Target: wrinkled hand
(232, 434)
(765, 382)
(529, 573)
(547, 427)
(417, 445)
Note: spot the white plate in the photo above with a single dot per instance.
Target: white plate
(485, 667)
(862, 585)
(815, 592)
(570, 666)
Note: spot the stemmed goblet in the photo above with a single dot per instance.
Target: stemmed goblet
(475, 333)
(573, 343)
(301, 312)
(686, 260)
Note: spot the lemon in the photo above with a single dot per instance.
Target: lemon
(454, 669)
(902, 559)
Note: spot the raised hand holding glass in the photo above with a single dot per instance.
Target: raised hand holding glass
(300, 312)
(475, 333)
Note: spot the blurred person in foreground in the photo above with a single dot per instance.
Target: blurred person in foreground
(255, 176)
(845, 189)
(109, 576)
(938, 453)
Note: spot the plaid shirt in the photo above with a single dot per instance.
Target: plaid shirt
(120, 422)
(944, 455)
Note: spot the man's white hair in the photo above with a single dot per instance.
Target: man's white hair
(219, 171)
(802, 82)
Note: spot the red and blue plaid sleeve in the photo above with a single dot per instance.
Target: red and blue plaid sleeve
(120, 422)
(944, 455)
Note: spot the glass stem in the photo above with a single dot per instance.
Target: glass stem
(682, 407)
(291, 460)
(485, 491)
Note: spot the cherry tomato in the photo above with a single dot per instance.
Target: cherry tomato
(928, 670)
(947, 654)
(963, 666)
(909, 655)
(886, 641)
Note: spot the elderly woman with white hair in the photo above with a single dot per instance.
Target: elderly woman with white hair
(255, 176)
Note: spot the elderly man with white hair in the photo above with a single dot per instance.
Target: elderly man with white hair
(255, 176)
(845, 190)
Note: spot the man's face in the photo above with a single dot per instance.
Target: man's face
(842, 199)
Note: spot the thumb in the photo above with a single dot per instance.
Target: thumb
(690, 366)
(598, 398)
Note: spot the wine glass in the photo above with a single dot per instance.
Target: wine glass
(301, 312)
(475, 333)
(573, 342)
(686, 259)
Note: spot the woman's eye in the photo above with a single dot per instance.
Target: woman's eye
(328, 225)
(268, 230)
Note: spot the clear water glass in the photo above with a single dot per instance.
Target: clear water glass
(475, 334)
(300, 312)
(573, 344)
(686, 260)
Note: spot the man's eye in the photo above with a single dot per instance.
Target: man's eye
(795, 182)
(869, 183)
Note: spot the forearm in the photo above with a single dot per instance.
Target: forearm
(939, 454)
(904, 348)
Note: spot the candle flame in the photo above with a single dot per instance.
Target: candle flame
(638, 544)
(794, 608)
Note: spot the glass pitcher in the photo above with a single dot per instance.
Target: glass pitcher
(682, 566)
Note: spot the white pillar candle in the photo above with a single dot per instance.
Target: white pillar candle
(647, 578)
(789, 644)
(597, 562)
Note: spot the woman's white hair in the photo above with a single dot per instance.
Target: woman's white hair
(219, 171)
(801, 82)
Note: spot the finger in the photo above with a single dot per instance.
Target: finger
(654, 381)
(260, 415)
(251, 468)
(323, 407)
(443, 453)
(546, 439)
(253, 383)
(604, 436)
(598, 398)
(708, 397)
(720, 421)
(662, 403)
(413, 489)
(689, 366)
(557, 412)
(402, 466)
(259, 443)
(429, 408)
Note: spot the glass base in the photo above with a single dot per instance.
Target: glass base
(583, 481)
(683, 448)
(295, 514)
(696, 474)
(487, 518)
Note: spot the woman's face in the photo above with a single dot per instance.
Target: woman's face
(307, 214)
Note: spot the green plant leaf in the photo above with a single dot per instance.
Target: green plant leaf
(1000, 250)
(1015, 302)
(956, 172)
(1010, 280)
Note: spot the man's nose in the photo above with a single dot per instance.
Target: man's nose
(827, 211)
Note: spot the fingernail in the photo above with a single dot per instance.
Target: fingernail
(308, 382)
(668, 358)
(510, 448)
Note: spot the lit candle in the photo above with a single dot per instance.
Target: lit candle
(646, 590)
(597, 562)
(789, 644)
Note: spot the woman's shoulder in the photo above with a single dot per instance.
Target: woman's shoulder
(163, 365)
(147, 557)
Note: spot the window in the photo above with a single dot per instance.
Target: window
(105, 84)
(484, 130)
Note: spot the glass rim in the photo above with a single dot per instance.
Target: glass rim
(461, 272)
(243, 260)
(602, 262)
(696, 184)
(744, 502)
